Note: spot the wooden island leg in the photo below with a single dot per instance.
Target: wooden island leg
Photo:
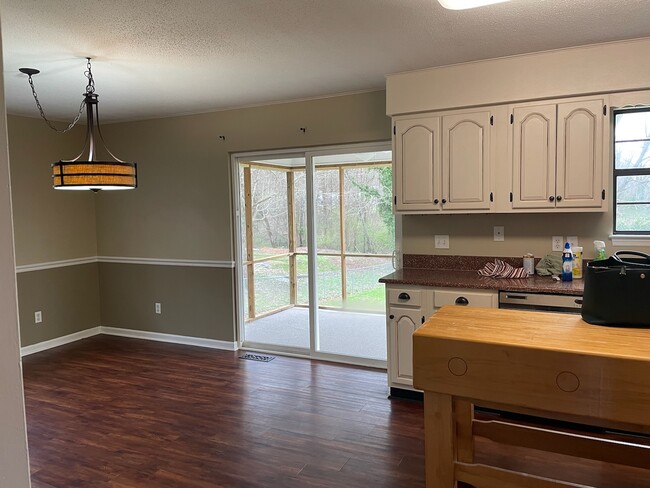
(439, 440)
(464, 415)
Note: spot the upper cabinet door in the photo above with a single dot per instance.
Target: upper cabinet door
(465, 161)
(580, 154)
(417, 164)
(533, 156)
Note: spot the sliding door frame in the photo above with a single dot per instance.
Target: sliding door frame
(309, 154)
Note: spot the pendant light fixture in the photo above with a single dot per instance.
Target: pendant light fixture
(86, 172)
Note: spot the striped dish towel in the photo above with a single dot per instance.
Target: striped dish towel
(499, 269)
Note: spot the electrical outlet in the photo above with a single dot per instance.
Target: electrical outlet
(573, 240)
(442, 242)
(499, 233)
(38, 317)
(558, 243)
(158, 308)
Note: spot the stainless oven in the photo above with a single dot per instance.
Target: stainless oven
(540, 302)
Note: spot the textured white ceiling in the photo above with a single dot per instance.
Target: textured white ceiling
(154, 58)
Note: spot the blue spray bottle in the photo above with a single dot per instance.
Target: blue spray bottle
(567, 263)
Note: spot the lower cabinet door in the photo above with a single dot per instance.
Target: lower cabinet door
(402, 325)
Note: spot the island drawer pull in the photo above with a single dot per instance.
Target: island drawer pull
(404, 296)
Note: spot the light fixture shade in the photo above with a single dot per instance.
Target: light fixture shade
(94, 175)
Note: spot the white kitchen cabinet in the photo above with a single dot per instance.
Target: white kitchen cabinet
(466, 161)
(402, 323)
(557, 152)
(408, 307)
(417, 163)
(442, 162)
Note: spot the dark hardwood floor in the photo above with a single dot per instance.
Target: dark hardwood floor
(118, 412)
(115, 412)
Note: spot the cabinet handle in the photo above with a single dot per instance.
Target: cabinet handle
(551, 198)
(462, 301)
(404, 296)
(436, 201)
(444, 200)
(423, 319)
(559, 198)
(391, 317)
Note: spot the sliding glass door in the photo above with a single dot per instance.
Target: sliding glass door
(355, 236)
(315, 233)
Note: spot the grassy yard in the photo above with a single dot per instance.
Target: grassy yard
(364, 293)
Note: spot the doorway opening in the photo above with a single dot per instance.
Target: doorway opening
(316, 232)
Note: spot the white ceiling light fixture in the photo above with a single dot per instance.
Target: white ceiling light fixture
(89, 173)
(466, 4)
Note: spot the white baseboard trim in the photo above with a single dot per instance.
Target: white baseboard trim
(59, 341)
(176, 339)
(135, 334)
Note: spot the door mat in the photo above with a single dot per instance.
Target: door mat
(257, 357)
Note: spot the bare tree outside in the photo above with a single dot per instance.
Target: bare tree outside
(346, 281)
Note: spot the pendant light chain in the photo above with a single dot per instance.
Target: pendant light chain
(90, 89)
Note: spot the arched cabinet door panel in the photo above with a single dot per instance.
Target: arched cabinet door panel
(580, 154)
(466, 161)
(417, 163)
(402, 324)
(533, 156)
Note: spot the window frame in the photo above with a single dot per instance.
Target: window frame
(625, 172)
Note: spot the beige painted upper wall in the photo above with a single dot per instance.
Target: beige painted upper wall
(182, 206)
(14, 462)
(598, 68)
(49, 225)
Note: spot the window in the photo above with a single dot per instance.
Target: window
(632, 171)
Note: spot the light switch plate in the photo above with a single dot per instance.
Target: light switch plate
(38, 317)
(442, 242)
(499, 233)
(157, 307)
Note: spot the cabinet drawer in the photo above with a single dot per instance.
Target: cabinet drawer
(410, 297)
(487, 299)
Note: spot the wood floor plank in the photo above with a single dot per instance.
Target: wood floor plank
(110, 412)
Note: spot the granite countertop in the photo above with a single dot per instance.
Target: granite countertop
(459, 278)
(471, 279)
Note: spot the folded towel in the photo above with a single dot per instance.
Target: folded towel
(499, 269)
(551, 264)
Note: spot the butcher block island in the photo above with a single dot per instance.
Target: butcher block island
(545, 365)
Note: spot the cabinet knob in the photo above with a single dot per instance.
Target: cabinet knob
(436, 201)
(462, 301)
(391, 317)
(559, 198)
(444, 200)
(404, 296)
(551, 198)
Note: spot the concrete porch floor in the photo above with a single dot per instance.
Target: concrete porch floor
(360, 335)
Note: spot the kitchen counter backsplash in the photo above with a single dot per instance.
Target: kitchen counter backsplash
(461, 272)
(465, 263)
